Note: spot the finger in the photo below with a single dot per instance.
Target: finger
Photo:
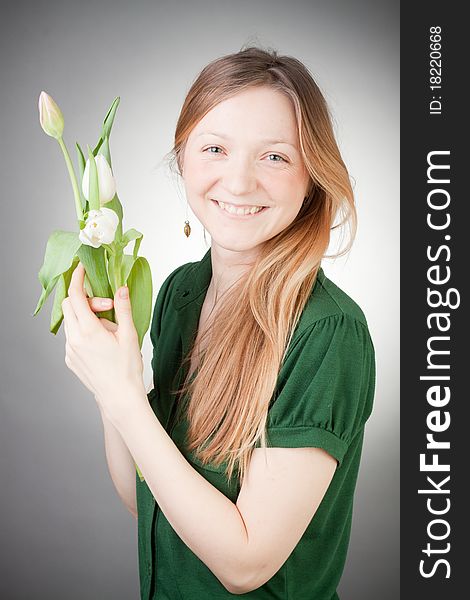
(123, 308)
(65, 328)
(70, 319)
(65, 325)
(109, 325)
(68, 312)
(80, 305)
(100, 304)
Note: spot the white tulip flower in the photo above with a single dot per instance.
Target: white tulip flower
(106, 183)
(100, 227)
(50, 116)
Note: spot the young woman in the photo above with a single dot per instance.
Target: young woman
(250, 441)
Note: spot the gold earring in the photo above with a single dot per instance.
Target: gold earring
(187, 226)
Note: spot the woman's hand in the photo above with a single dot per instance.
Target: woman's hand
(104, 355)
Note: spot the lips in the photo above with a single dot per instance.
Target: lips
(232, 215)
(239, 205)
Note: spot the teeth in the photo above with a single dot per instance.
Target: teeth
(239, 211)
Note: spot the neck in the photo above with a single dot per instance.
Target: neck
(227, 267)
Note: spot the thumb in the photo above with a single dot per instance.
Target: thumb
(123, 310)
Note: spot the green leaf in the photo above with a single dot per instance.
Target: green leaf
(107, 125)
(97, 147)
(94, 261)
(61, 292)
(104, 150)
(141, 477)
(60, 250)
(128, 261)
(137, 246)
(112, 266)
(132, 234)
(139, 283)
(109, 118)
(88, 287)
(93, 189)
(81, 170)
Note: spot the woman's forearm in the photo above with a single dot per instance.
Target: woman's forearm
(204, 518)
(120, 464)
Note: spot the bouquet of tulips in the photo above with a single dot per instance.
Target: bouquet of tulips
(99, 242)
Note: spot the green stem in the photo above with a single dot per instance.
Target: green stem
(117, 270)
(73, 179)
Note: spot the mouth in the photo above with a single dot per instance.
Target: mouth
(229, 211)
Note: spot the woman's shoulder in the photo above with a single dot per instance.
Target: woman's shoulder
(328, 300)
(193, 276)
(179, 273)
(171, 284)
(177, 277)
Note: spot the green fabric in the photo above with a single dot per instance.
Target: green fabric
(323, 398)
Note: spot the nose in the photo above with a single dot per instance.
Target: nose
(240, 177)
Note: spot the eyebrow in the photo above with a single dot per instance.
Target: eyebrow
(264, 141)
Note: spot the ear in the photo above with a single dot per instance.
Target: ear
(180, 157)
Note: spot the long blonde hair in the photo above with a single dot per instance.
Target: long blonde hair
(230, 395)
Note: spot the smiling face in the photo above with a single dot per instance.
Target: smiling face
(245, 153)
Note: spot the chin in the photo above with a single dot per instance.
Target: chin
(234, 244)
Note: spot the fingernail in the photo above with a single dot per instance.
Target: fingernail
(124, 293)
(105, 303)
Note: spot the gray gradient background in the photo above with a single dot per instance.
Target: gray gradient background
(64, 531)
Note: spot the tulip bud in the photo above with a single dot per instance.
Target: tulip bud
(50, 116)
(100, 227)
(106, 183)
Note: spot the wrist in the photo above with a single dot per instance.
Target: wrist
(128, 402)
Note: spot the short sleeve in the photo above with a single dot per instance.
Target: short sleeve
(325, 387)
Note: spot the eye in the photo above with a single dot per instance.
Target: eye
(282, 159)
(210, 148)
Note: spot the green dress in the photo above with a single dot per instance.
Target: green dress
(323, 398)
